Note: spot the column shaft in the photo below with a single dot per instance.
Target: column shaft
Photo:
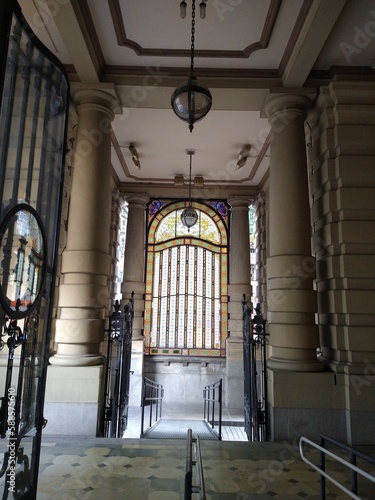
(134, 281)
(83, 293)
(290, 267)
(239, 284)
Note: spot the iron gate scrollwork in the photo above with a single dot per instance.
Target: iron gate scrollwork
(118, 372)
(34, 92)
(255, 383)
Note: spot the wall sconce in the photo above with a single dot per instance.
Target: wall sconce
(135, 156)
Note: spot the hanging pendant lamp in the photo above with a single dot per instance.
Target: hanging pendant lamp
(191, 101)
(189, 216)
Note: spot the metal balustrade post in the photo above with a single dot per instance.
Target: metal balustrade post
(323, 468)
(213, 394)
(355, 470)
(353, 460)
(152, 394)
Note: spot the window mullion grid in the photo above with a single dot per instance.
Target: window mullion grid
(195, 298)
(177, 323)
(217, 326)
(186, 296)
(168, 298)
(212, 333)
(172, 325)
(160, 297)
(204, 299)
(199, 296)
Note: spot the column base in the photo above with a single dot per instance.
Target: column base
(305, 404)
(234, 390)
(61, 360)
(74, 401)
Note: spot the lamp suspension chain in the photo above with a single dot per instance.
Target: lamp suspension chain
(191, 101)
(192, 37)
(190, 204)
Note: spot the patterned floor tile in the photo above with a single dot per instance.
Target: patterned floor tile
(141, 469)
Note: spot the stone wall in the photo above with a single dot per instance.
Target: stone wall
(183, 380)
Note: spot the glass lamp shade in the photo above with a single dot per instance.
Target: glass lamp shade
(189, 217)
(191, 102)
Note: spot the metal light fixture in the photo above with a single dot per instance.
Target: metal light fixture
(189, 216)
(135, 155)
(243, 155)
(190, 101)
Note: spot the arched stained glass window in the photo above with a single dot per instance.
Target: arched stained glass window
(186, 287)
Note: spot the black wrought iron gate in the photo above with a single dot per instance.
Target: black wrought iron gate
(255, 383)
(33, 115)
(118, 373)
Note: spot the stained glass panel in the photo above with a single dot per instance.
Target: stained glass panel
(171, 227)
(188, 281)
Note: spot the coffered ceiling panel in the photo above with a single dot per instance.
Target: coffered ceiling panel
(244, 49)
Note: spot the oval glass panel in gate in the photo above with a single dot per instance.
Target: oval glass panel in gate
(22, 261)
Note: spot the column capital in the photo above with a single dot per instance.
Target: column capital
(285, 106)
(136, 199)
(92, 97)
(239, 201)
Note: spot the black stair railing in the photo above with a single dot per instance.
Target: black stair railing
(152, 397)
(213, 406)
(117, 379)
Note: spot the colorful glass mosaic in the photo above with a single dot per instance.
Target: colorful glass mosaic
(186, 282)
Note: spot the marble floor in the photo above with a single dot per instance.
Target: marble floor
(154, 469)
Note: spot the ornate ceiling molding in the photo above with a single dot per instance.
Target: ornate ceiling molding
(262, 43)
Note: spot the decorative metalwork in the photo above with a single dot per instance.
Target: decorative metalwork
(34, 101)
(255, 383)
(191, 101)
(118, 369)
(17, 415)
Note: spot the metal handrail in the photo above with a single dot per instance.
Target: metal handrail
(356, 470)
(190, 462)
(152, 394)
(213, 394)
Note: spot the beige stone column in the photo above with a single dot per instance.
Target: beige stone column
(74, 391)
(239, 284)
(85, 261)
(134, 281)
(291, 299)
(299, 391)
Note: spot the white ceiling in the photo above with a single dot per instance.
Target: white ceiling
(244, 48)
